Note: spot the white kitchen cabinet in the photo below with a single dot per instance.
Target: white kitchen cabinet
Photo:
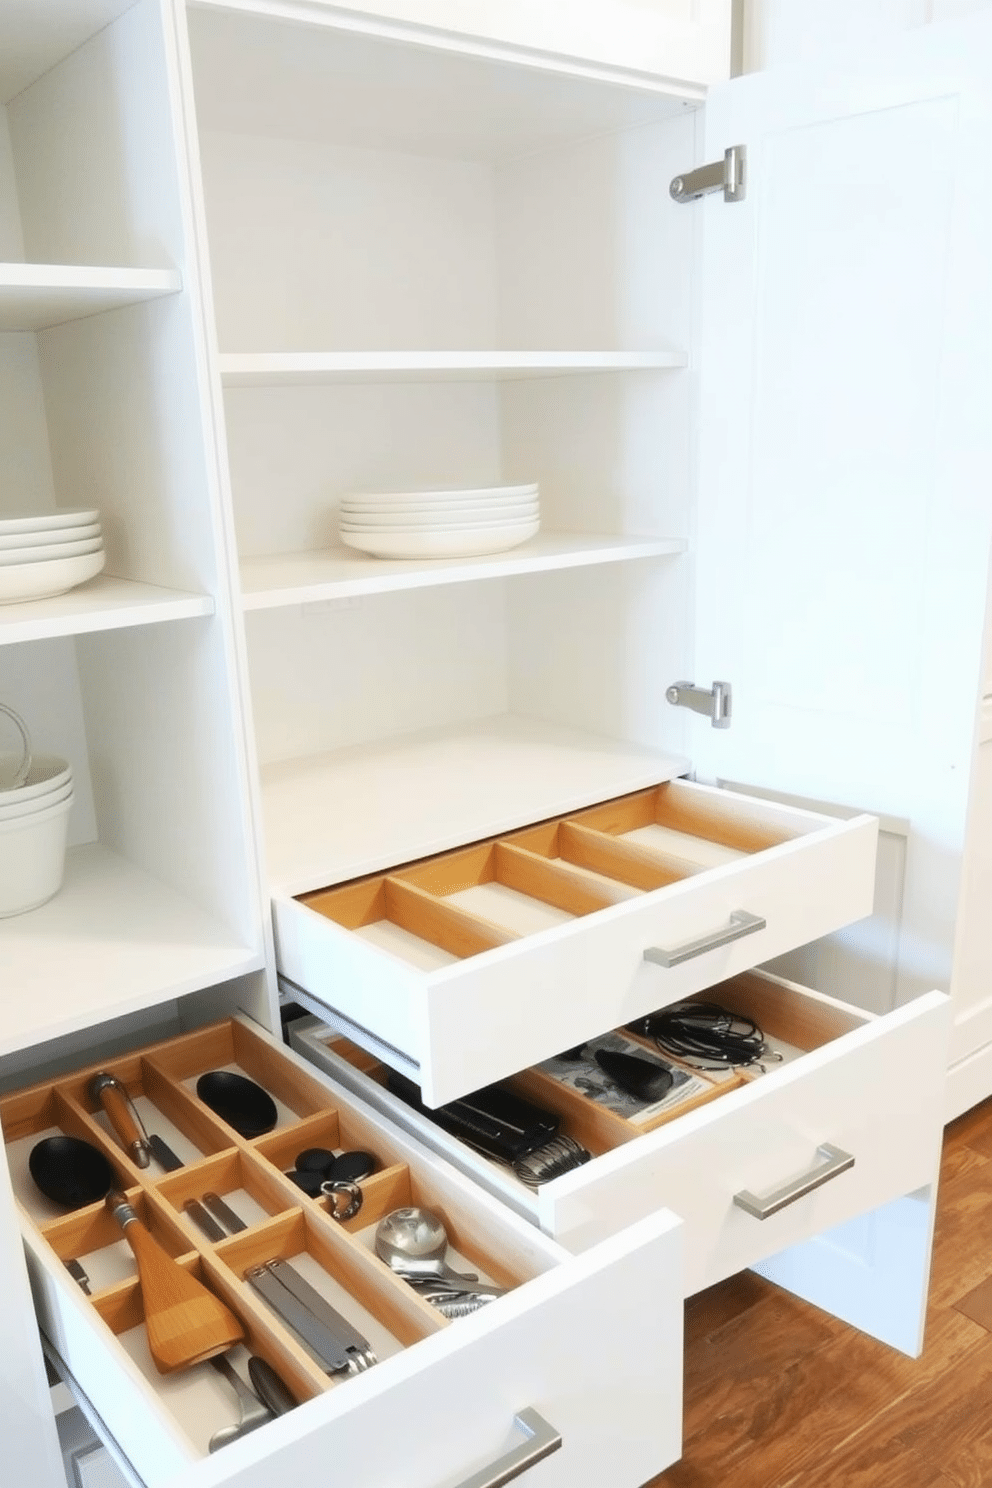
(369, 253)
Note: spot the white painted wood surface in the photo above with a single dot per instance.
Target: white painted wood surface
(34, 296)
(852, 584)
(291, 369)
(105, 603)
(369, 807)
(341, 573)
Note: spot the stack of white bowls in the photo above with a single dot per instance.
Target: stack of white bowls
(35, 800)
(440, 524)
(44, 556)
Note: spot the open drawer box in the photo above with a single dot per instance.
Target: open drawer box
(869, 1086)
(465, 967)
(442, 1399)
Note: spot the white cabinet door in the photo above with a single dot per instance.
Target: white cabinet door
(845, 451)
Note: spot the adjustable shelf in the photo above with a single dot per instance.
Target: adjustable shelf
(35, 296)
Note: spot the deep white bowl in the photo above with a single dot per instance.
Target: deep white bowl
(32, 858)
(15, 810)
(48, 772)
(23, 581)
(49, 521)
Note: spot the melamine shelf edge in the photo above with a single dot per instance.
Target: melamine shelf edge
(267, 583)
(105, 603)
(247, 369)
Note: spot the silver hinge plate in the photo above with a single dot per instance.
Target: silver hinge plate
(726, 175)
(713, 701)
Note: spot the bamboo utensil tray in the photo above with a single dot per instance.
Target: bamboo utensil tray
(477, 898)
(336, 1258)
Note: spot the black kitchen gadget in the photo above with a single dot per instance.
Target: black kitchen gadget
(238, 1101)
(644, 1079)
(70, 1172)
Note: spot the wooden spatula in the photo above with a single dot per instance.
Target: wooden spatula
(186, 1323)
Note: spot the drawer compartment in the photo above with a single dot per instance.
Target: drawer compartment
(466, 967)
(871, 1086)
(531, 1348)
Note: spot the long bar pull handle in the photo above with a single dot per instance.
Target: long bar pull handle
(541, 1440)
(763, 1206)
(741, 923)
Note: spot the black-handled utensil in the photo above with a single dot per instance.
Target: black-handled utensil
(269, 1387)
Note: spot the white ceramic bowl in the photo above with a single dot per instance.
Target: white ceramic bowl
(22, 581)
(49, 521)
(47, 773)
(451, 512)
(465, 542)
(47, 552)
(18, 809)
(48, 536)
(32, 858)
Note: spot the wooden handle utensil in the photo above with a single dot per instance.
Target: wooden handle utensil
(109, 1091)
(185, 1322)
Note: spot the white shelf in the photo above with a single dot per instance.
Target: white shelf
(112, 941)
(105, 603)
(341, 573)
(34, 296)
(372, 806)
(262, 369)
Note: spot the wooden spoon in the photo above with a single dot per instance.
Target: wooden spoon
(186, 1323)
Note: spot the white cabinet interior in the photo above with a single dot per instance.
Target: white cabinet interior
(130, 677)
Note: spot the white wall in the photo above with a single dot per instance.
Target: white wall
(779, 32)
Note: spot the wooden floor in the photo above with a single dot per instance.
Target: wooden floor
(778, 1394)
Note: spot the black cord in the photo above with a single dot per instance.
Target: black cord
(705, 1031)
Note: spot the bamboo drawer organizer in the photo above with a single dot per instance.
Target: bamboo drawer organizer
(792, 1025)
(477, 898)
(336, 1257)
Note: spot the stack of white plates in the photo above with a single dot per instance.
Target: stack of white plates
(440, 524)
(42, 556)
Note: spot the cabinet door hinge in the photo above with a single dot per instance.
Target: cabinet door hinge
(726, 175)
(713, 701)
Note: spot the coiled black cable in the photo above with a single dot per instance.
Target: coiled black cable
(705, 1031)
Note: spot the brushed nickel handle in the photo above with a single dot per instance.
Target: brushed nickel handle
(542, 1440)
(741, 923)
(762, 1207)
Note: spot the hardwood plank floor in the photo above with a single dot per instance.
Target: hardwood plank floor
(779, 1395)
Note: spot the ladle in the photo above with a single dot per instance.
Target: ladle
(413, 1241)
(184, 1321)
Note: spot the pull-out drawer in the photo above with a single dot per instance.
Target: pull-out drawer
(869, 1087)
(469, 966)
(556, 1367)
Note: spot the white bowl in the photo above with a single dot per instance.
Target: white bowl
(464, 542)
(416, 514)
(47, 773)
(49, 520)
(22, 581)
(32, 858)
(47, 552)
(373, 500)
(46, 537)
(18, 809)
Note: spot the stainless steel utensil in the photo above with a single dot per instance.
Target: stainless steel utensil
(123, 1116)
(271, 1390)
(339, 1346)
(203, 1220)
(253, 1412)
(413, 1241)
(77, 1273)
(224, 1214)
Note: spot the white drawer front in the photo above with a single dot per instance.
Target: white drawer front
(577, 1342)
(470, 1023)
(873, 1090)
